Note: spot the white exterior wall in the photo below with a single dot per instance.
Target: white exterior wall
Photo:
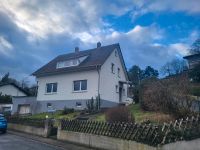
(11, 90)
(108, 80)
(65, 86)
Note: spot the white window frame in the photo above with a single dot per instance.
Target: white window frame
(51, 88)
(80, 86)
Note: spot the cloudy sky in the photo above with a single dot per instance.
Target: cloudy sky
(150, 32)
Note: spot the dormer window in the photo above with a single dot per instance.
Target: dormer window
(71, 62)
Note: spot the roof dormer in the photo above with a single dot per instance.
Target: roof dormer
(71, 62)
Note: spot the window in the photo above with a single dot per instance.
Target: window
(49, 105)
(80, 85)
(113, 68)
(51, 87)
(71, 62)
(116, 53)
(78, 104)
(124, 92)
(118, 72)
(117, 88)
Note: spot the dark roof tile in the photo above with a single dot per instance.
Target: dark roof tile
(96, 56)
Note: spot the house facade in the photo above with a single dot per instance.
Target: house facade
(193, 60)
(12, 90)
(70, 80)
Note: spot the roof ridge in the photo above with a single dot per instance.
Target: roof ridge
(87, 50)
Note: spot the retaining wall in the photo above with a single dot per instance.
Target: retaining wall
(44, 132)
(109, 143)
(101, 142)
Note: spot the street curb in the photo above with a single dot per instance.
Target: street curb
(52, 142)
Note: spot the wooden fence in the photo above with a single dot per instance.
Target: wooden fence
(151, 134)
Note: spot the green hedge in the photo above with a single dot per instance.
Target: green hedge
(195, 91)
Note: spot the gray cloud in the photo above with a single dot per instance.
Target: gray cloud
(33, 32)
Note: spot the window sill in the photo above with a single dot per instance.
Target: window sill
(50, 93)
(79, 91)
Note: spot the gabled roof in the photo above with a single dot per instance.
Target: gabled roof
(96, 57)
(192, 56)
(16, 86)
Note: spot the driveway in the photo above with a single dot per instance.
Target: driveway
(12, 141)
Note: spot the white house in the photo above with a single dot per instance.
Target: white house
(72, 79)
(10, 89)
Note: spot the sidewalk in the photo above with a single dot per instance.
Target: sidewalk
(53, 142)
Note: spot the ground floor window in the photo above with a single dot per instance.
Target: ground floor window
(51, 87)
(80, 85)
(78, 104)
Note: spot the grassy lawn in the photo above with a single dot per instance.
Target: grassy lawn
(135, 109)
(99, 117)
(141, 115)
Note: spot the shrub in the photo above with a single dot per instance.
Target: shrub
(169, 95)
(93, 105)
(66, 110)
(5, 99)
(119, 114)
(195, 91)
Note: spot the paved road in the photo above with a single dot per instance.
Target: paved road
(14, 142)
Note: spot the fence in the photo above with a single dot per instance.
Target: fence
(183, 129)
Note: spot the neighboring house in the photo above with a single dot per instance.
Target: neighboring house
(72, 79)
(10, 89)
(193, 60)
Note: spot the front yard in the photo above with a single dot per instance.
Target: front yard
(56, 115)
(136, 111)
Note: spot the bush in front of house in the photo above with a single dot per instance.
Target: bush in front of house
(119, 114)
(66, 110)
(169, 95)
(195, 91)
(93, 105)
(5, 99)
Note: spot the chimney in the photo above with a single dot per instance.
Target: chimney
(98, 44)
(76, 49)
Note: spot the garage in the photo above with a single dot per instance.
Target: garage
(24, 109)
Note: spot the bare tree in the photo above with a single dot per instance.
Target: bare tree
(170, 95)
(195, 48)
(176, 66)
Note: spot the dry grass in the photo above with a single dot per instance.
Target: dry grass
(157, 117)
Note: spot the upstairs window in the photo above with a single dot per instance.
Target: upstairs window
(71, 62)
(118, 72)
(116, 53)
(51, 87)
(113, 68)
(68, 63)
(80, 85)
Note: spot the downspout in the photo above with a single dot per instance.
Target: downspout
(98, 71)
